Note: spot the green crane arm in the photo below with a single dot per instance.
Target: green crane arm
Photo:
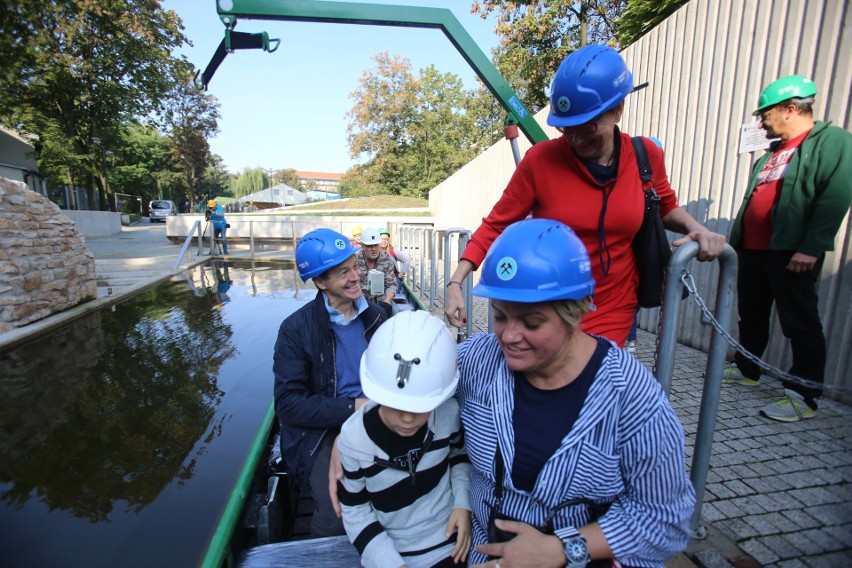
(379, 15)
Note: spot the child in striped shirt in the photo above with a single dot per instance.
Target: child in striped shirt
(405, 493)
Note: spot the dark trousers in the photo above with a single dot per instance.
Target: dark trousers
(324, 522)
(763, 280)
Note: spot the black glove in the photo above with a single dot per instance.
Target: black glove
(387, 308)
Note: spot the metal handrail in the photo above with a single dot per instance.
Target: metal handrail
(467, 290)
(716, 354)
(195, 227)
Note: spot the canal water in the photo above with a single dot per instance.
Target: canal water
(123, 432)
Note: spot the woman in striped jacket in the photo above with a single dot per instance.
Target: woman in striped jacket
(553, 415)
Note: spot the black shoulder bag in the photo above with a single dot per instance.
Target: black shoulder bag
(650, 245)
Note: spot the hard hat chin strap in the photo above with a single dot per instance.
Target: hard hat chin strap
(404, 369)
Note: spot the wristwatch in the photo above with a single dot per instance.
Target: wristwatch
(576, 553)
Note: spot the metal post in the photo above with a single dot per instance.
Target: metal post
(667, 343)
(251, 237)
(713, 380)
(464, 236)
(433, 283)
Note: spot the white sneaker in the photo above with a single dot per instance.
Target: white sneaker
(790, 408)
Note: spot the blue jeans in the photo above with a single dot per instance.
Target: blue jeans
(219, 233)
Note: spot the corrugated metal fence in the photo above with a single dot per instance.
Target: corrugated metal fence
(706, 65)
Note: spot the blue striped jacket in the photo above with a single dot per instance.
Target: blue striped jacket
(626, 448)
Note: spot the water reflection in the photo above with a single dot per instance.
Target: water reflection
(126, 405)
(136, 421)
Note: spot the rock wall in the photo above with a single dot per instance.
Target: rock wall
(45, 266)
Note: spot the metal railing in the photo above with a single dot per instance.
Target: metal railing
(196, 227)
(667, 344)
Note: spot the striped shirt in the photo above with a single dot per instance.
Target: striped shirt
(626, 448)
(392, 517)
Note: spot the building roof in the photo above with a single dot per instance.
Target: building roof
(318, 175)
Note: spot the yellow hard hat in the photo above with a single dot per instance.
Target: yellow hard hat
(211, 203)
(357, 230)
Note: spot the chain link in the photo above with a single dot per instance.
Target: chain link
(689, 282)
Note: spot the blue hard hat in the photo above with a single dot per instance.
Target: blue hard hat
(536, 260)
(320, 250)
(589, 82)
(656, 141)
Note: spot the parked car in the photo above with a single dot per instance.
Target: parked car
(159, 209)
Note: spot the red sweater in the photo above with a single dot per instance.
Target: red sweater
(553, 183)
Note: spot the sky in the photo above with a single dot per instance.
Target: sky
(287, 109)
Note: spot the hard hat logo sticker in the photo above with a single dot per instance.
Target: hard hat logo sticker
(340, 244)
(564, 104)
(507, 268)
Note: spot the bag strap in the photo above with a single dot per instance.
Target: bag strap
(642, 160)
(498, 473)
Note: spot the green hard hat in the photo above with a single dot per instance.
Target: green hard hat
(384, 232)
(785, 88)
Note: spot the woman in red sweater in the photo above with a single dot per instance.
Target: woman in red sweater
(588, 179)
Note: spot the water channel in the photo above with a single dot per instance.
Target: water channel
(124, 431)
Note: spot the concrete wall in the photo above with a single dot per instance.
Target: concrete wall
(45, 266)
(706, 65)
(95, 223)
(258, 226)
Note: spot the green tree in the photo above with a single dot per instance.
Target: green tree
(142, 164)
(535, 36)
(411, 132)
(79, 70)
(190, 117)
(288, 176)
(641, 16)
(216, 179)
(250, 180)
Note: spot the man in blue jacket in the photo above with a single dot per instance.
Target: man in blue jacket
(316, 366)
(797, 197)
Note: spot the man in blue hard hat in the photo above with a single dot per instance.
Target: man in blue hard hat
(316, 366)
(797, 196)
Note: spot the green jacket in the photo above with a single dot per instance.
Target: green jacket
(815, 194)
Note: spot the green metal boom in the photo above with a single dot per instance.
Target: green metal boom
(371, 14)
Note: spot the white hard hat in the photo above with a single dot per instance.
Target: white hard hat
(410, 363)
(370, 237)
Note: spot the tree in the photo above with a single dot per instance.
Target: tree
(411, 132)
(537, 35)
(641, 16)
(82, 68)
(287, 176)
(251, 180)
(190, 117)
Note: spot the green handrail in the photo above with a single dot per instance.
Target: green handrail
(383, 15)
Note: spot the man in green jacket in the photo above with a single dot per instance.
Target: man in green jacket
(797, 197)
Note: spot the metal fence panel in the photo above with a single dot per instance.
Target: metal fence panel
(706, 65)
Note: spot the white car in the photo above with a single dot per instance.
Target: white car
(159, 209)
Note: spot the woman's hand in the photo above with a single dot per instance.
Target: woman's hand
(530, 548)
(710, 244)
(460, 521)
(454, 306)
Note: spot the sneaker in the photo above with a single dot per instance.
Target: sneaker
(631, 346)
(790, 408)
(731, 375)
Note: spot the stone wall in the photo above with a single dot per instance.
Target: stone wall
(45, 266)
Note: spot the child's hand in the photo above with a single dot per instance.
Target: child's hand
(460, 521)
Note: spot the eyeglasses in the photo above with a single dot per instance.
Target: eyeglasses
(585, 129)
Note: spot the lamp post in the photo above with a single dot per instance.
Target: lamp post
(269, 172)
